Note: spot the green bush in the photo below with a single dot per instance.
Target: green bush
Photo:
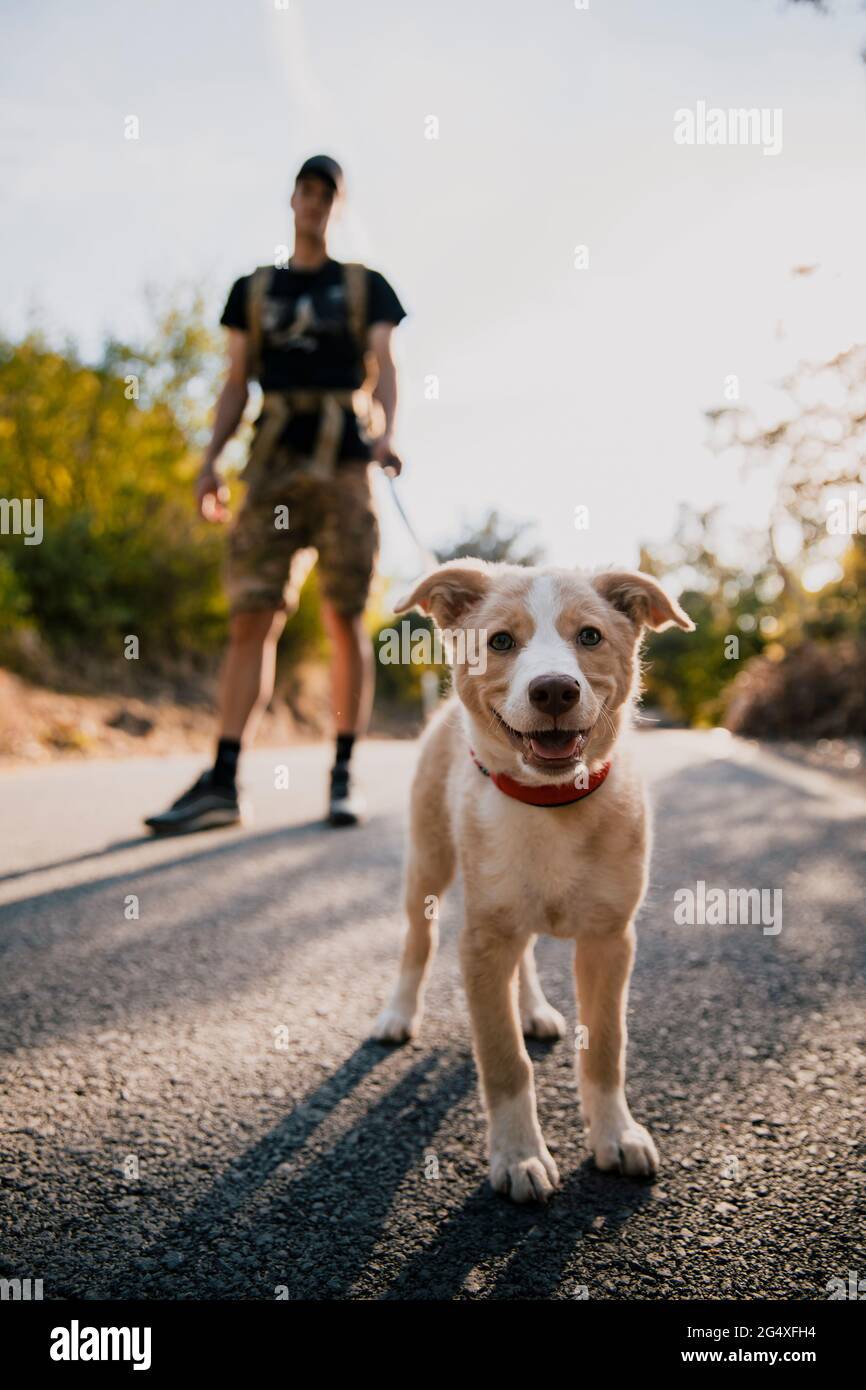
(112, 451)
(816, 690)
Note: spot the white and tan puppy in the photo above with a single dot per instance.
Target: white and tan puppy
(526, 781)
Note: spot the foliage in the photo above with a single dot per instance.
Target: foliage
(777, 602)
(818, 449)
(494, 539)
(816, 690)
(111, 449)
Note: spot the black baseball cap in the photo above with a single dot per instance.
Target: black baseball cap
(322, 166)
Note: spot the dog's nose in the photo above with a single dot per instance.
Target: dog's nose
(554, 695)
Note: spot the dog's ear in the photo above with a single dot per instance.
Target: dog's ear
(448, 592)
(642, 599)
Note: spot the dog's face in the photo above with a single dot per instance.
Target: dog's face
(560, 657)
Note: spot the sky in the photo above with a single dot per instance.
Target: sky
(560, 386)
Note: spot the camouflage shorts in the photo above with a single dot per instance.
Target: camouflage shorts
(287, 518)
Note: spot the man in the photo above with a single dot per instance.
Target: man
(307, 332)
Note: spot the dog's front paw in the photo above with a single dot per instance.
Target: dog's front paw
(543, 1021)
(524, 1177)
(393, 1025)
(625, 1148)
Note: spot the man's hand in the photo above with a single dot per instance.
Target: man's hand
(212, 495)
(383, 453)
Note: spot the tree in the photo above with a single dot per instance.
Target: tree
(494, 539)
(111, 450)
(778, 604)
(819, 449)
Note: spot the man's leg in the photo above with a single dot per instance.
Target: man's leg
(352, 670)
(265, 569)
(348, 541)
(246, 686)
(247, 676)
(352, 682)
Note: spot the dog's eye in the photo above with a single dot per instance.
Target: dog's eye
(589, 637)
(501, 642)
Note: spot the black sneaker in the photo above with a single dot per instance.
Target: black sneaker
(345, 807)
(204, 807)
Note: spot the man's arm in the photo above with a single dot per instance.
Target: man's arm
(211, 491)
(385, 393)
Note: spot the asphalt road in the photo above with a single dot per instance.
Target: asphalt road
(190, 1109)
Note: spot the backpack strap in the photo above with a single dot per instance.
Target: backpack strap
(355, 280)
(256, 290)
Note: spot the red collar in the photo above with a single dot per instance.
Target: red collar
(554, 794)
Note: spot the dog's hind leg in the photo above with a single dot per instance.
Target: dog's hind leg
(538, 1018)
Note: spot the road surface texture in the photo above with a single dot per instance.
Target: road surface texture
(190, 1108)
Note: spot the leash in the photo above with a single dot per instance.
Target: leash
(430, 559)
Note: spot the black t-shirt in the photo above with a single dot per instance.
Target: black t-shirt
(307, 341)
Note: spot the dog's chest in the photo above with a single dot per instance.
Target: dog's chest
(533, 862)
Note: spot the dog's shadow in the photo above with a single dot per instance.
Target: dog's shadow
(314, 1208)
(535, 1249)
(324, 1230)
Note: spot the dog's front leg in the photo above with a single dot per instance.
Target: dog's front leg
(603, 965)
(429, 872)
(520, 1164)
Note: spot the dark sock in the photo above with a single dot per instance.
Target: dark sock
(225, 769)
(345, 743)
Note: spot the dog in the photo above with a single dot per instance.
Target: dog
(526, 781)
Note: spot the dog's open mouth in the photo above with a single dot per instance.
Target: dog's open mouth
(548, 747)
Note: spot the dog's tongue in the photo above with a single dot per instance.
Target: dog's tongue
(562, 747)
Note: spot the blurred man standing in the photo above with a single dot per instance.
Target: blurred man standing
(307, 333)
